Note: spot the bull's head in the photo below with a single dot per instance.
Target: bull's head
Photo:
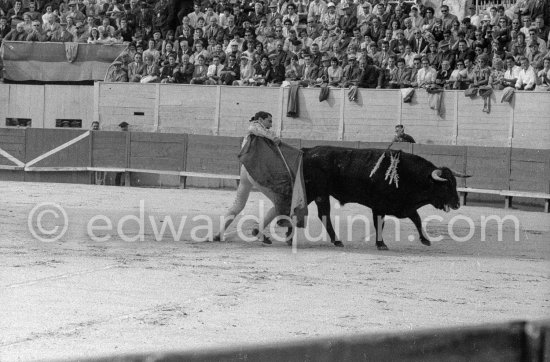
(445, 196)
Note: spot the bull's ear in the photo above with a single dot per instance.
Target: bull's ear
(459, 174)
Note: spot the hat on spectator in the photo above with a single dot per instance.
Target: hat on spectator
(414, 8)
(79, 24)
(273, 4)
(233, 42)
(345, 6)
(486, 18)
(534, 44)
(123, 124)
(352, 56)
(272, 56)
(63, 23)
(117, 62)
(400, 31)
(325, 58)
(72, 2)
(245, 57)
(331, 4)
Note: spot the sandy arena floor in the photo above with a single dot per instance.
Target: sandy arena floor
(80, 297)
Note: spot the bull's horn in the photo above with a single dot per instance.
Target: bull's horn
(459, 174)
(436, 175)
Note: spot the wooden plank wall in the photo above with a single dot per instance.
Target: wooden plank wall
(225, 111)
(154, 151)
(372, 116)
(213, 154)
(26, 101)
(317, 120)
(40, 141)
(530, 170)
(109, 149)
(186, 109)
(68, 102)
(531, 120)
(13, 142)
(424, 123)
(490, 167)
(477, 128)
(122, 102)
(238, 104)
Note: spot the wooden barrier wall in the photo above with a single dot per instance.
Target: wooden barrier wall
(225, 111)
(494, 168)
(504, 342)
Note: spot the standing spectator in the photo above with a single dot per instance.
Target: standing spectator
(15, 14)
(447, 17)
(119, 179)
(527, 79)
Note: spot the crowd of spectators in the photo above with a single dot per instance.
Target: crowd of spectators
(364, 43)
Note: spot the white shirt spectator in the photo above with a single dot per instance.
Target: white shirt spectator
(214, 70)
(316, 9)
(425, 77)
(526, 78)
(512, 73)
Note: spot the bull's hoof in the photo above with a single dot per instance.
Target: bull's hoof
(264, 239)
(382, 247)
(425, 242)
(338, 243)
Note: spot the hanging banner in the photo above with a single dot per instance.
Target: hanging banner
(57, 62)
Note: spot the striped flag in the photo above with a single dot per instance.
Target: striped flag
(58, 62)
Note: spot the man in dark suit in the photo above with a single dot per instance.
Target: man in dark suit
(418, 43)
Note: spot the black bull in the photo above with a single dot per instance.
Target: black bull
(345, 174)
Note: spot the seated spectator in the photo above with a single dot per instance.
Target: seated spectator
(118, 75)
(17, 34)
(310, 71)
(497, 75)
(168, 70)
(371, 76)
(401, 78)
(351, 75)
(482, 72)
(293, 71)
(458, 76)
(49, 16)
(322, 74)
(36, 34)
(62, 35)
(152, 72)
(527, 78)
(231, 71)
(534, 56)
(200, 72)
(335, 73)
(104, 36)
(185, 72)
(426, 75)
(246, 71)
(94, 36)
(136, 69)
(262, 72)
(33, 13)
(199, 51)
(433, 55)
(277, 75)
(511, 73)
(544, 76)
(444, 74)
(213, 73)
(4, 28)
